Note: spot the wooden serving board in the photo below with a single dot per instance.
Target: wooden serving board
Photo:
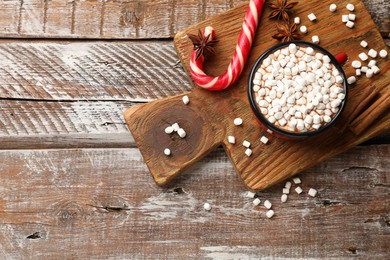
(208, 118)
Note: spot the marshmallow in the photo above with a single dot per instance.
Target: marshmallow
(315, 39)
(364, 44)
(372, 53)
(231, 139)
(303, 29)
(238, 121)
(351, 80)
(264, 140)
(350, 24)
(356, 64)
(383, 53)
(186, 99)
(246, 144)
(284, 198)
(332, 7)
(312, 17)
(312, 192)
(256, 202)
(350, 7)
(363, 56)
(270, 213)
(169, 130)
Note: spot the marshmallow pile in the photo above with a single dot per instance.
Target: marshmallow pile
(298, 89)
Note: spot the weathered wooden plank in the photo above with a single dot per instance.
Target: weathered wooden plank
(32, 17)
(90, 70)
(42, 124)
(123, 19)
(102, 203)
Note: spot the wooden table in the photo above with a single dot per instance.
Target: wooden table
(74, 185)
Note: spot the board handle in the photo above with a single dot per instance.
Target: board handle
(147, 123)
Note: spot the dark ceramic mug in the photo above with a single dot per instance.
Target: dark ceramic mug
(283, 133)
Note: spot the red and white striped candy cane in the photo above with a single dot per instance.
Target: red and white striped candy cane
(240, 56)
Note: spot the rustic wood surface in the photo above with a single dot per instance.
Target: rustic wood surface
(214, 112)
(75, 186)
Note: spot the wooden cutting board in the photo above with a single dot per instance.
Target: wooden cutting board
(208, 118)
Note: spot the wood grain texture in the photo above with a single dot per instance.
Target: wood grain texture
(281, 159)
(123, 19)
(104, 19)
(27, 124)
(137, 71)
(101, 203)
(73, 94)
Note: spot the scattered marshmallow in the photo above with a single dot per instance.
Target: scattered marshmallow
(288, 185)
(298, 190)
(284, 198)
(371, 63)
(175, 127)
(363, 56)
(167, 151)
(297, 20)
(303, 29)
(333, 8)
(364, 69)
(207, 206)
(181, 133)
(256, 202)
(364, 44)
(375, 69)
(231, 139)
(315, 39)
(344, 18)
(383, 53)
(352, 17)
(312, 17)
(186, 99)
(312, 192)
(248, 152)
(297, 180)
(169, 130)
(246, 144)
(286, 191)
(372, 53)
(267, 204)
(356, 64)
(369, 73)
(358, 72)
(350, 7)
(350, 24)
(250, 194)
(270, 213)
(351, 80)
(264, 140)
(237, 121)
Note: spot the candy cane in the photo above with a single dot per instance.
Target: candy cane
(240, 56)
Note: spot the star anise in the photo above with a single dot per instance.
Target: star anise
(281, 9)
(286, 32)
(202, 45)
